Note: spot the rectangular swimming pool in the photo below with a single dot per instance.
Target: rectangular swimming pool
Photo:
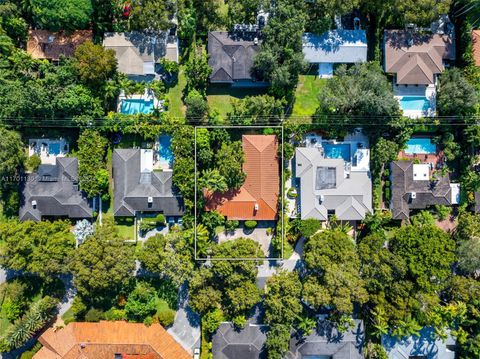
(337, 150)
(165, 152)
(131, 106)
(417, 103)
(54, 148)
(420, 146)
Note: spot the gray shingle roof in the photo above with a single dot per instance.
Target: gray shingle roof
(350, 197)
(326, 340)
(55, 190)
(427, 345)
(132, 187)
(247, 343)
(427, 194)
(336, 46)
(231, 58)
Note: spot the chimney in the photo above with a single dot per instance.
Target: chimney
(34, 204)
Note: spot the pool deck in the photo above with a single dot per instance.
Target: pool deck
(146, 96)
(40, 147)
(417, 91)
(435, 159)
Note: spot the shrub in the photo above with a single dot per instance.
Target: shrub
(387, 183)
(239, 321)
(166, 317)
(27, 355)
(34, 162)
(250, 224)
(11, 310)
(94, 315)
(308, 227)
(147, 225)
(386, 172)
(387, 194)
(78, 308)
(141, 302)
(443, 212)
(292, 192)
(115, 314)
(160, 220)
(231, 225)
(148, 321)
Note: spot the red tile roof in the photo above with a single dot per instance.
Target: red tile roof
(476, 46)
(43, 44)
(105, 339)
(261, 186)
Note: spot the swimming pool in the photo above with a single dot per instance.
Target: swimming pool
(420, 146)
(54, 149)
(165, 152)
(417, 103)
(132, 106)
(337, 150)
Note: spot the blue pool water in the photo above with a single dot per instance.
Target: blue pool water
(418, 103)
(420, 146)
(132, 106)
(338, 150)
(54, 149)
(165, 151)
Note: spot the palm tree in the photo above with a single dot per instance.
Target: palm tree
(306, 324)
(213, 181)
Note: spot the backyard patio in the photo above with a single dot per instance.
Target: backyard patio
(48, 149)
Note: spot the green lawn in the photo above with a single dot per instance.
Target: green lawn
(306, 101)
(219, 97)
(176, 107)
(68, 316)
(126, 227)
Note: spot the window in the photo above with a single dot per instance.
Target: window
(330, 212)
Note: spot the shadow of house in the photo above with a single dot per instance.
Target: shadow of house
(247, 343)
(138, 188)
(426, 345)
(53, 191)
(327, 341)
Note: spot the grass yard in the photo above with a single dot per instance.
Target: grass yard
(126, 227)
(306, 101)
(219, 97)
(68, 316)
(176, 107)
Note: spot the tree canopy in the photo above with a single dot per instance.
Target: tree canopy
(61, 15)
(456, 96)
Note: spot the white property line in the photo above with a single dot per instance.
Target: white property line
(281, 193)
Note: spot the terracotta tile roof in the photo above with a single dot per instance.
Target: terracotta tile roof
(261, 185)
(105, 339)
(476, 46)
(43, 44)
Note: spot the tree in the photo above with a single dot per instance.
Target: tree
(12, 158)
(212, 180)
(277, 343)
(456, 96)
(152, 15)
(94, 64)
(12, 23)
(103, 264)
(61, 15)
(359, 92)
(229, 160)
(141, 302)
(168, 255)
(421, 12)
(256, 110)
(91, 157)
(44, 248)
(197, 72)
(197, 107)
(282, 298)
(467, 235)
(333, 266)
(308, 227)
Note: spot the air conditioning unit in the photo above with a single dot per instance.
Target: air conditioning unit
(34, 204)
(150, 200)
(414, 195)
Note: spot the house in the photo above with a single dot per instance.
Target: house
(416, 59)
(248, 343)
(43, 44)
(426, 345)
(326, 341)
(140, 186)
(52, 191)
(416, 186)
(231, 56)
(257, 199)
(476, 46)
(334, 47)
(333, 182)
(109, 340)
(138, 53)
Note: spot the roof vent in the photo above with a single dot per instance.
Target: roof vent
(414, 195)
(34, 204)
(255, 41)
(321, 199)
(150, 200)
(256, 207)
(83, 345)
(51, 38)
